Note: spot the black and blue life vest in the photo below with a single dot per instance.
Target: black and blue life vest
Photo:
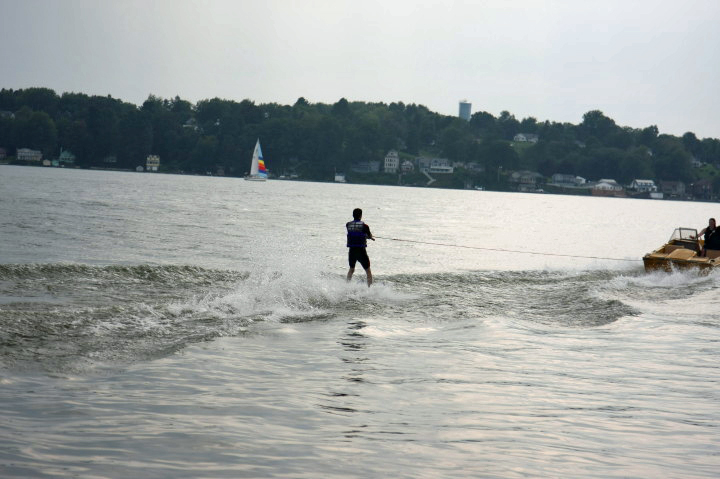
(356, 237)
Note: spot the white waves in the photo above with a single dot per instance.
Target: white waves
(293, 293)
(668, 295)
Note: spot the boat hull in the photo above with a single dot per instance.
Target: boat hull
(661, 262)
(254, 178)
(682, 252)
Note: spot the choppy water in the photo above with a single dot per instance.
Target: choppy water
(165, 327)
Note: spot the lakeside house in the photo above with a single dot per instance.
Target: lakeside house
(435, 165)
(26, 155)
(392, 162)
(526, 137)
(366, 167)
(702, 189)
(527, 181)
(643, 186)
(66, 158)
(567, 181)
(407, 167)
(675, 189)
(153, 163)
(608, 187)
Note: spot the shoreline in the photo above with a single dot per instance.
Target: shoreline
(579, 191)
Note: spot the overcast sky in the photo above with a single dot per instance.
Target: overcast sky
(641, 62)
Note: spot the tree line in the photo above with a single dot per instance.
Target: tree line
(314, 140)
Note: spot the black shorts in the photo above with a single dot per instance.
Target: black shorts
(358, 254)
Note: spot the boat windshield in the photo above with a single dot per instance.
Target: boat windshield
(684, 234)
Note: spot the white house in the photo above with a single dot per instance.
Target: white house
(643, 185)
(560, 179)
(392, 162)
(28, 155)
(153, 163)
(526, 137)
(607, 185)
(407, 166)
(435, 165)
(441, 169)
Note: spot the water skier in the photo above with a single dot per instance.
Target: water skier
(357, 235)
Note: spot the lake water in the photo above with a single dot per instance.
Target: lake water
(161, 326)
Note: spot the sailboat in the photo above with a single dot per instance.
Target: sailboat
(258, 172)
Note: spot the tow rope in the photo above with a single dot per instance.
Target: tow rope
(507, 250)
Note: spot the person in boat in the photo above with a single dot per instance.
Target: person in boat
(357, 235)
(712, 237)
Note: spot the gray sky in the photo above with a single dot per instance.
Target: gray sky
(641, 62)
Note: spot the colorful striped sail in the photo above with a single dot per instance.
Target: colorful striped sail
(258, 171)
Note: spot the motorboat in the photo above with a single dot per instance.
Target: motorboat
(682, 251)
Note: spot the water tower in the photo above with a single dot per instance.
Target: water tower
(465, 110)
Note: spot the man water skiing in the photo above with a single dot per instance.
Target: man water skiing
(357, 235)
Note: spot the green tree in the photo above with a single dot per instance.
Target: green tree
(648, 136)
(692, 144)
(35, 129)
(40, 99)
(341, 108)
(528, 125)
(622, 138)
(8, 100)
(453, 139)
(596, 124)
(602, 163)
(710, 150)
(636, 164)
(484, 125)
(103, 122)
(204, 153)
(508, 126)
(552, 131)
(73, 135)
(497, 153)
(136, 130)
(672, 162)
